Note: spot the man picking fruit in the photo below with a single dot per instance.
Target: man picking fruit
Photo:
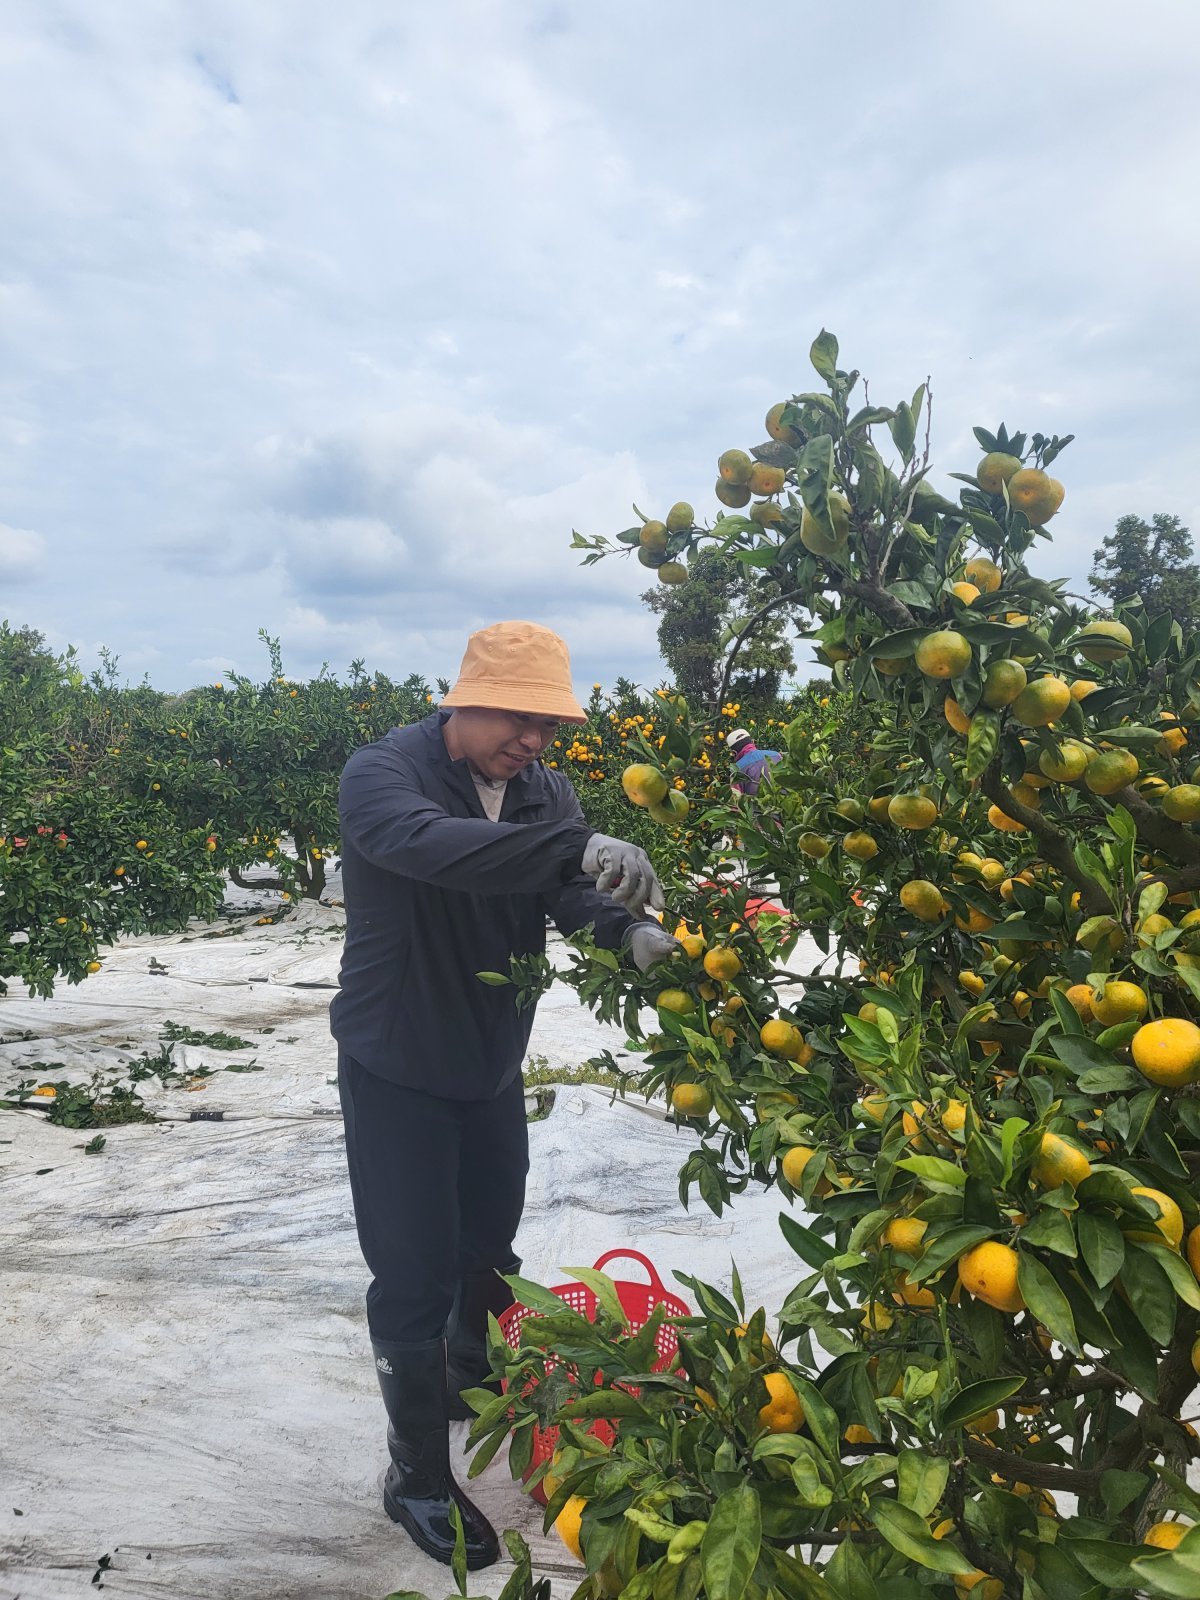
(456, 843)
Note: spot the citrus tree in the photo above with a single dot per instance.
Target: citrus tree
(981, 1117)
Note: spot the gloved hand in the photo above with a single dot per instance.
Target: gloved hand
(624, 871)
(648, 943)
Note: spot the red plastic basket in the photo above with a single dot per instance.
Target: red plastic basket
(638, 1301)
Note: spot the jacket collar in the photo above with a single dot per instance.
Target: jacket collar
(524, 787)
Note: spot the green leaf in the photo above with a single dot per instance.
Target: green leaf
(1077, 1052)
(921, 1480)
(983, 740)
(903, 428)
(604, 1403)
(1183, 1280)
(1046, 1301)
(807, 1245)
(496, 979)
(535, 1296)
(947, 1247)
(1174, 1573)
(821, 1418)
(732, 1541)
(908, 1533)
(1102, 1244)
(458, 1561)
(977, 1399)
(823, 355)
(933, 1170)
(811, 1490)
(603, 1288)
(1106, 1561)
(1120, 1489)
(1050, 1229)
(1151, 1291)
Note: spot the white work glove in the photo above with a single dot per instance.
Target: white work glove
(648, 943)
(624, 871)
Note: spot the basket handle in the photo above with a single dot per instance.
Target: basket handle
(656, 1283)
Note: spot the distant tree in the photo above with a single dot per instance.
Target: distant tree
(696, 619)
(1153, 560)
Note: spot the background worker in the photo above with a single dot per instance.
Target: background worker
(749, 762)
(456, 843)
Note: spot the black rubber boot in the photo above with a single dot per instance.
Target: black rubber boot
(467, 1365)
(419, 1488)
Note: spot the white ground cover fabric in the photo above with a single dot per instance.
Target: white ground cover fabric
(187, 1390)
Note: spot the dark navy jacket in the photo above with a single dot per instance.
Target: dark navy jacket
(435, 892)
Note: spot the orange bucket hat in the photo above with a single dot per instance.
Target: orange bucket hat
(517, 666)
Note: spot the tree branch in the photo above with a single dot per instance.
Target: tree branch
(778, 600)
(1055, 845)
(1158, 831)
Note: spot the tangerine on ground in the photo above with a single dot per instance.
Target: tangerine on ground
(1167, 1051)
(691, 1100)
(989, 1272)
(1042, 702)
(1119, 1002)
(783, 1412)
(1110, 771)
(943, 654)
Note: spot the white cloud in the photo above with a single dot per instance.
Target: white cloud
(337, 322)
(22, 554)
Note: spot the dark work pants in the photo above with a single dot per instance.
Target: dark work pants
(438, 1188)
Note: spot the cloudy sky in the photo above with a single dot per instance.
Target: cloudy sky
(335, 320)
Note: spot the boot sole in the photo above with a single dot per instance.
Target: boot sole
(438, 1552)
